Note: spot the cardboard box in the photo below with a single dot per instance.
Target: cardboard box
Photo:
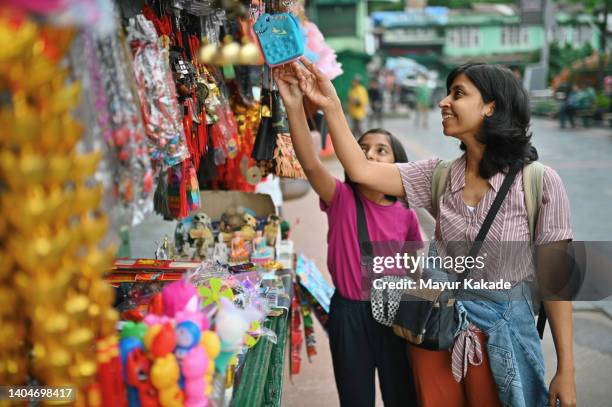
(215, 203)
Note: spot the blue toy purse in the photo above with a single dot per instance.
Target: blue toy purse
(280, 37)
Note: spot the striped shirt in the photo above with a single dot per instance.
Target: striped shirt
(456, 223)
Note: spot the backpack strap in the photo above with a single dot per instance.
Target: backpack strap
(439, 179)
(533, 184)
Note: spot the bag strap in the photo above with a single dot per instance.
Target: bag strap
(533, 181)
(533, 186)
(365, 246)
(495, 206)
(439, 179)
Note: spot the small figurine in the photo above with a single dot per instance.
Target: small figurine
(201, 232)
(250, 224)
(271, 229)
(239, 250)
(180, 239)
(261, 252)
(234, 218)
(220, 252)
(225, 229)
(165, 250)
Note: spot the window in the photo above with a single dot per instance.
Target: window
(582, 35)
(513, 35)
(337, 20)
(464, 37)
(559, 34)
(399, 36)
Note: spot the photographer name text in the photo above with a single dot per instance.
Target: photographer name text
(467, 284)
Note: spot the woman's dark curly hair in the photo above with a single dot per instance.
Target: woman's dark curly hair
(505, 134)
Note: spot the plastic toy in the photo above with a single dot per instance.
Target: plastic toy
(187, 337)
(164, 342)
(220, 252)
(194, 367)
(250, 223)
(261, 252)
(138, 370)
(176, 297)
(133, 329)
(231, 325)
(180, 239)
(239, 251)
(201, 233)
(164, 376)
(128, 345)
(271, 229)
(213, 290)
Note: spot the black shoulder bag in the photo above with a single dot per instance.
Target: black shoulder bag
(427, 317)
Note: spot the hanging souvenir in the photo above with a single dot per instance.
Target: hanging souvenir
(160, 111)
(265, 141)
(280, 38)
(133, 174)
(286, 163)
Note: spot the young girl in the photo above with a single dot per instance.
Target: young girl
(488, 111)
(359, 345)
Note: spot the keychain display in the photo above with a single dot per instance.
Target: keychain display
(133, 173)
(158, 98)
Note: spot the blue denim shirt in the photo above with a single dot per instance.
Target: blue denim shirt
(513, 344)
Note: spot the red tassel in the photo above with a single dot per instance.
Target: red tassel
(184, 179)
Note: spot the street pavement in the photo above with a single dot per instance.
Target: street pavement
(583, 159)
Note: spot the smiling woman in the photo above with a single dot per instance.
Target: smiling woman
(487, 102)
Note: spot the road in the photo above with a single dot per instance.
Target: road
(583, 159)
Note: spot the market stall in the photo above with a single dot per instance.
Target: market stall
(112, 112)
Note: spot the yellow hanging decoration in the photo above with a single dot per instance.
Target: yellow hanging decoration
(54, 305)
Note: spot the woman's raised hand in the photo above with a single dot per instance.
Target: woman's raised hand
(315, 85)
(288, 87)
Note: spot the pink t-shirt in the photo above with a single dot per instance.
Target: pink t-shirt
(385, 223)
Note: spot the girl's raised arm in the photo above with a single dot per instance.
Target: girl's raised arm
(320, 179)
(381, 177)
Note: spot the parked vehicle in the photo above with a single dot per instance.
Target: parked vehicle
(408, 91)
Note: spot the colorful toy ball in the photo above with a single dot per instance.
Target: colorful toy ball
(187, 336)
(178, 296)
(164, 342)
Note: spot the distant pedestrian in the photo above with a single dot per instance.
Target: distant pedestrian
(569, 107)
(391, 89)
(357, 105)
(423, 103)
(376, 103)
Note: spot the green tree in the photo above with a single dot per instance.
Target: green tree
(562, 57)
